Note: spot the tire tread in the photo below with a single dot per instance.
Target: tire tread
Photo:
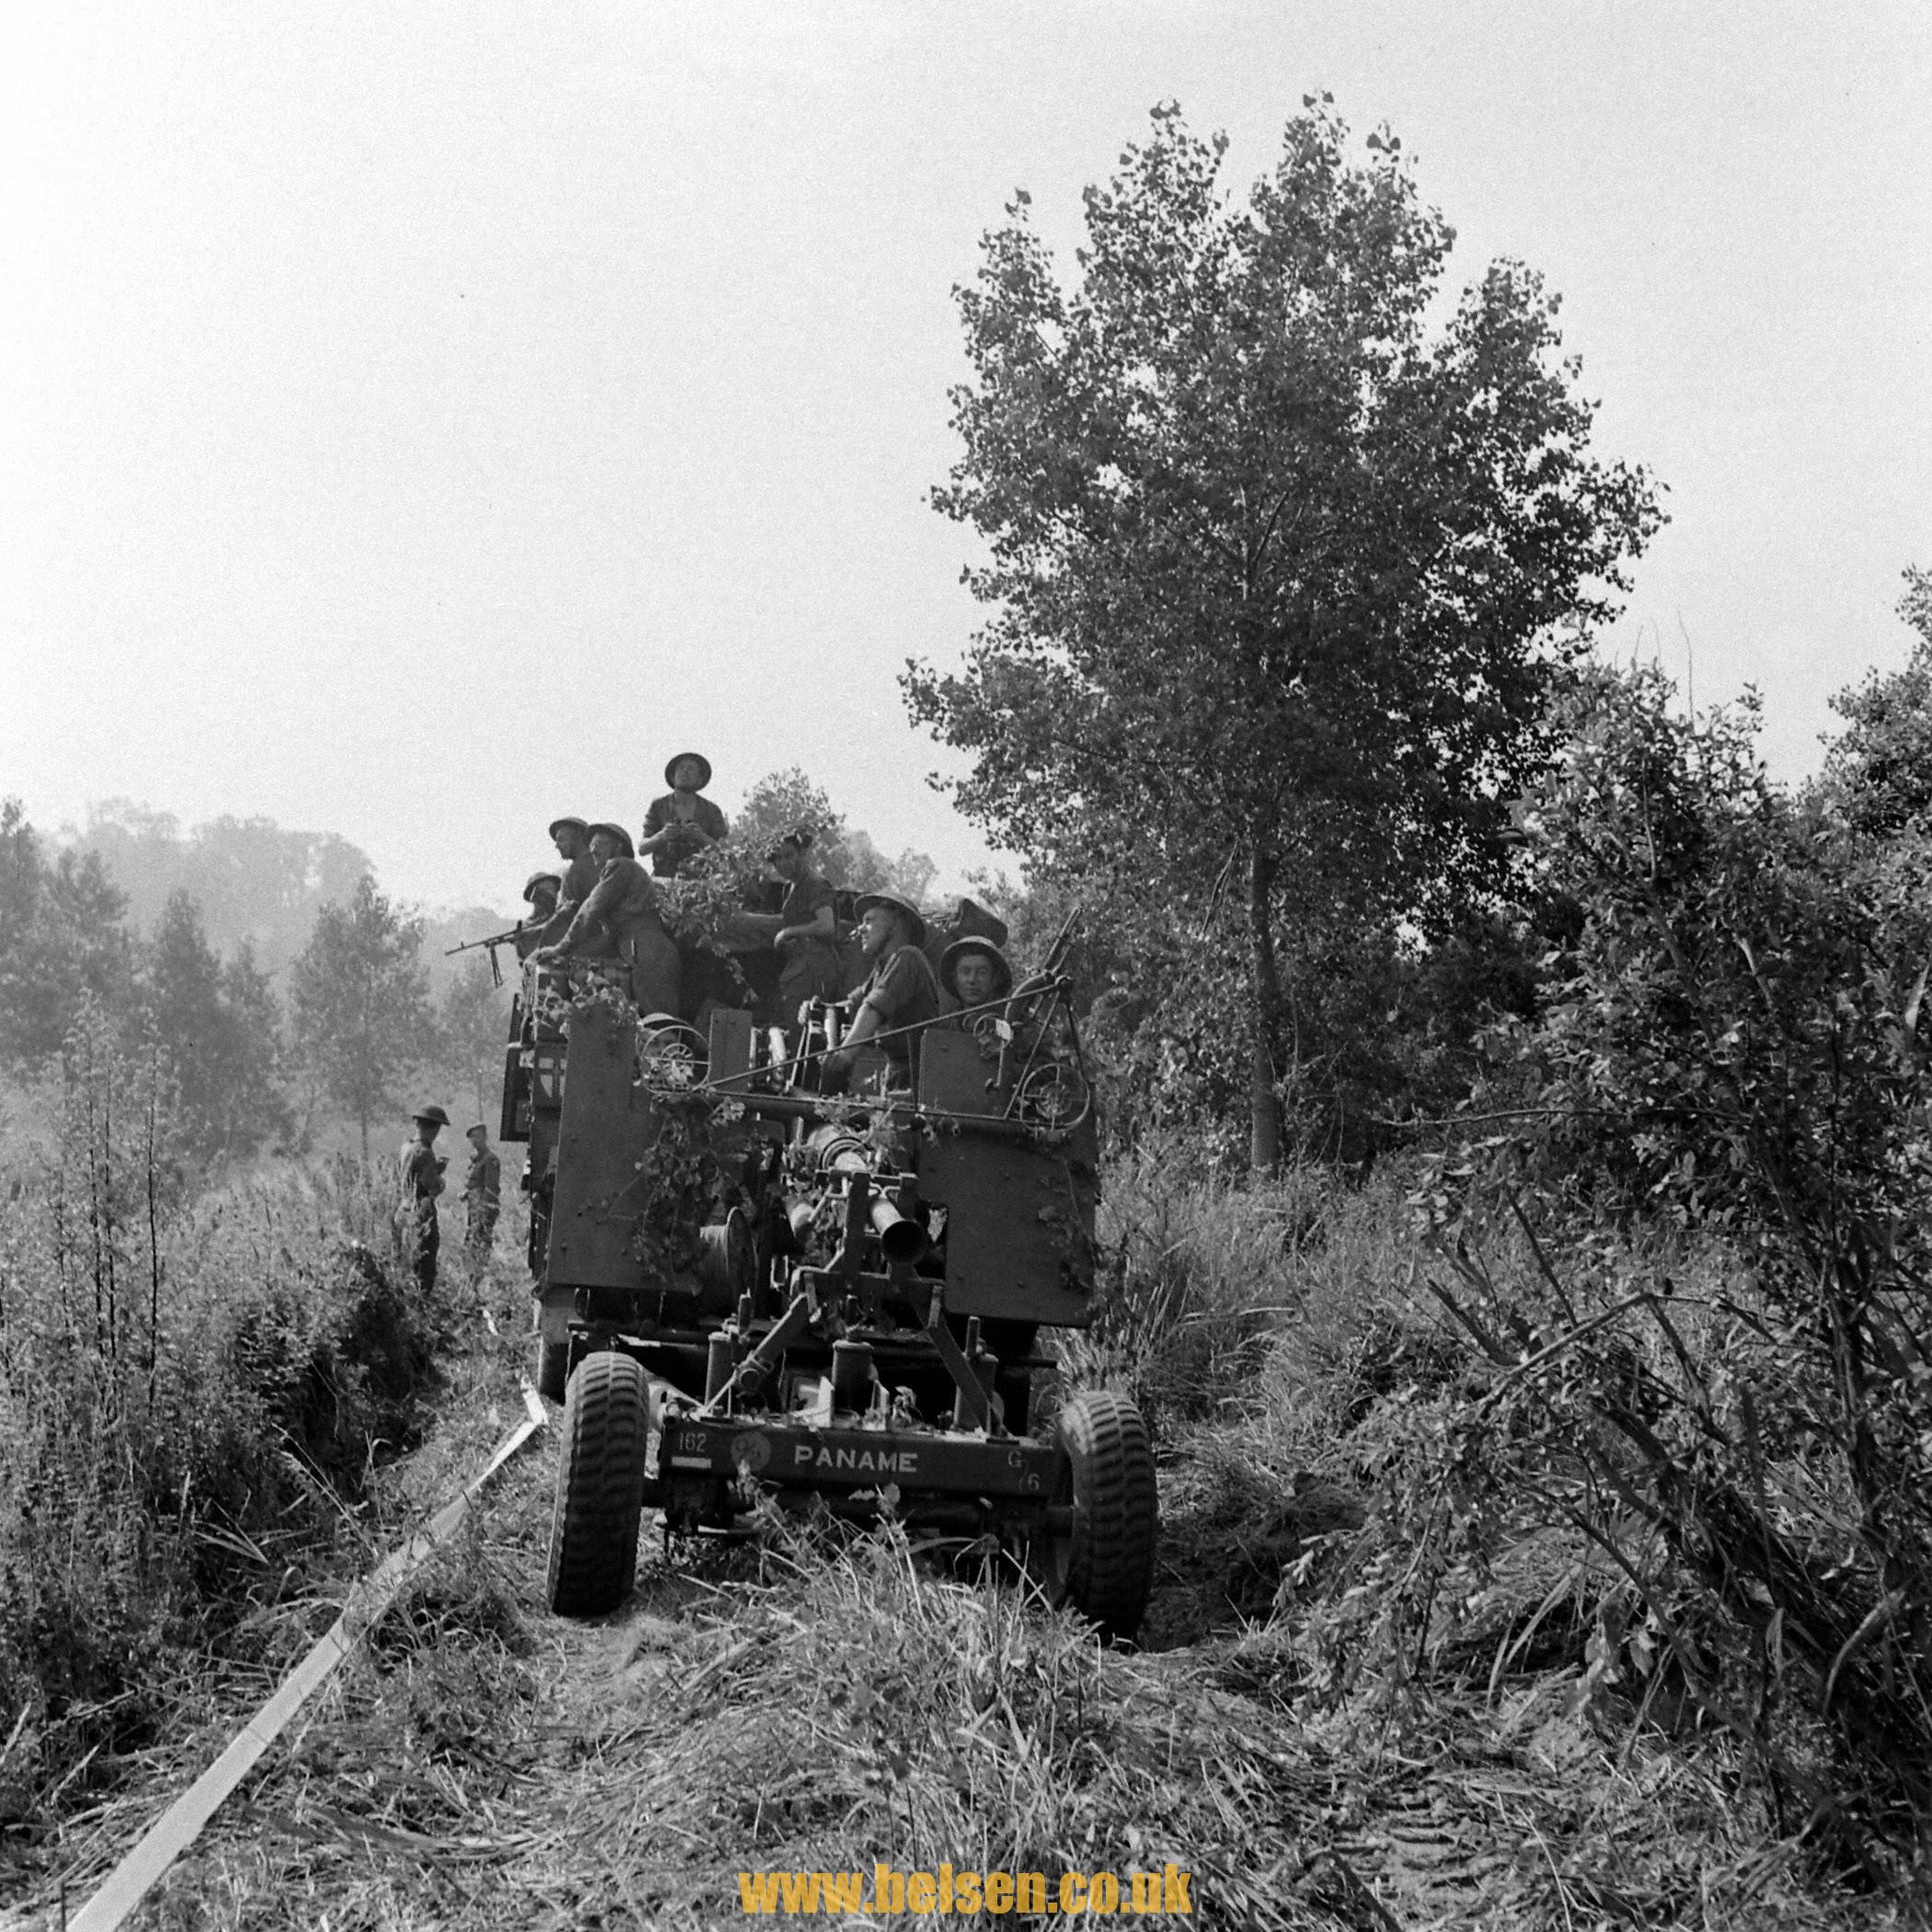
(600, 1486)
(1116, 1496)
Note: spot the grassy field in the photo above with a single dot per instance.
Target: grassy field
(824, 1702)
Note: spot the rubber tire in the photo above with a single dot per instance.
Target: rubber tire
(600, 1486)
(1104, 1568)
(553, 1369)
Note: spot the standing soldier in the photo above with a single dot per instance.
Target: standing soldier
(681, 824)
(421, 1183)
(482, 1189)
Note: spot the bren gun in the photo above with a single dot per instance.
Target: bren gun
(494, 940)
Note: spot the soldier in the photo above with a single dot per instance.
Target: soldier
(973, 973)
(900, 995)
(541, 892)
(967, 920)
(681, 824)
(482, 1192)
(420, 1182)
(808, 935)
(571, 837)
(622, 916)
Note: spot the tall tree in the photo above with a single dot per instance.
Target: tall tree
(220, 1026)
(61, 942)
(361, 1006)
(1279, 578)
(258, 1105)
(184, 997)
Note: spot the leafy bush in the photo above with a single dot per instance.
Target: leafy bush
(1734, 1478)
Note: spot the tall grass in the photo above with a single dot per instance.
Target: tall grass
(1430, 1469)
(1286, 1303)
(193, 1390)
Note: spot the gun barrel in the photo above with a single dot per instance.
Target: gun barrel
(493, 941)
(899, 1240)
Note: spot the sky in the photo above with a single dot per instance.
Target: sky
(419, 421)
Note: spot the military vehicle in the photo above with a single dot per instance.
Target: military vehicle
(751, 1293)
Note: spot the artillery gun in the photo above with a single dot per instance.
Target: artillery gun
(750, 1292)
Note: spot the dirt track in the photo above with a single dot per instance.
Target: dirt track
(481, 1763)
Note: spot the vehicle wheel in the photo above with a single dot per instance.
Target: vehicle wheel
(553, 1369)
(600, 1486)
(1102, 1564)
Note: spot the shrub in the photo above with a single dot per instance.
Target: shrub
(1733, 1048)
(192, 1395)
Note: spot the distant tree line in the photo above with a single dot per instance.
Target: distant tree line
(325, 1001)
(247, 1069)
(250, 878)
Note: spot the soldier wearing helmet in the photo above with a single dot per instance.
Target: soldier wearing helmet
(541, 892)
(622, 916)
(899, 998)
(974, 978)
(572, 836)
(482, 1191)
(681, 824)
(420, 1182)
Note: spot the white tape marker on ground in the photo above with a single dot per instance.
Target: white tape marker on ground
(180, 1824)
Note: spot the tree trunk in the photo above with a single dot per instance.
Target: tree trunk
(1264, 1144)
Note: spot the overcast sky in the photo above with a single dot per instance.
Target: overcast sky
(421, 419)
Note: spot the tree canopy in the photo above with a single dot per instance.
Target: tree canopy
(220, 1026)
(360, 1003)
(789, 801)
(1881, 766)
(61, 942)
(1280, 578)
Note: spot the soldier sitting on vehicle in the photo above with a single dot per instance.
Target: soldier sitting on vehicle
(900, 996)
(967, 920)
(808, 935)
(621, 917)
(681, 824)
(973, 975)
(541, 891)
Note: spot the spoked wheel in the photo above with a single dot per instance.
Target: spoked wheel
(600, 1486)
(669, 1054)
(1055, 1097)
(1098, 1558)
